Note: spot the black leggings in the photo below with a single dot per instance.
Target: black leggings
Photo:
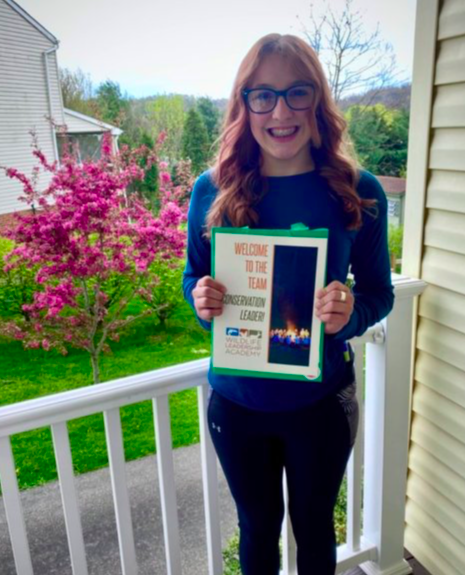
(313, 444)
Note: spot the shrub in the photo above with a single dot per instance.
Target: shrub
(395, 238)
(17, 285)
(166, 296)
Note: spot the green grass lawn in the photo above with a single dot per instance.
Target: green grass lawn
(27, 374)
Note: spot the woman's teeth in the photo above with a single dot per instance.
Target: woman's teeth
(281, 132)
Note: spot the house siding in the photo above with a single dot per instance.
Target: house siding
(24, 100)
(86, 124)
(435, 511)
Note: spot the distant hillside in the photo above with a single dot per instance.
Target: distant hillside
(189, 101)
(391, 96)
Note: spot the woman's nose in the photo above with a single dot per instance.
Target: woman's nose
(281, 110)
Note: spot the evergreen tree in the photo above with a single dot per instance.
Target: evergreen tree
(380, 138)
(112, 105)
(195, 145)
(210, 116)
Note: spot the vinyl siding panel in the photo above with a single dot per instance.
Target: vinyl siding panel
(444, 269)
(435, 534)
(445, 448)
(445, 231)
(446, 191)
(435, 513)
(431, 560)
(24, 100)
(78, 125)
(445, 481)
(448, 149)
(452, 20)
(439, 508)
(442, 343)
(450, 66)
(440, 411)
(449, 107)
(444, 307)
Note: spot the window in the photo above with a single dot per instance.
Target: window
(393, 208)
(86, 146)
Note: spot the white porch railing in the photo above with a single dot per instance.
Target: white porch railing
(380, 454)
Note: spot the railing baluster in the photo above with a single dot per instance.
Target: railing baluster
(354, 468)
(69, 498)
(115, 448)
(288, 540)
(14, 512)
(210, 488)
(167, 486)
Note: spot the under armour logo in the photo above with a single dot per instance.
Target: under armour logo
(217, 427)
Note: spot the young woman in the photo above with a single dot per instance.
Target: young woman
(281, 161)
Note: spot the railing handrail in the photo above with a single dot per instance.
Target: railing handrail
(66, 405)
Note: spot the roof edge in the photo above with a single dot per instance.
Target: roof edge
(114, 130)
(32, 21)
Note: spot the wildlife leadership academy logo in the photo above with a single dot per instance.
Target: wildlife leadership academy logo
(236, 332)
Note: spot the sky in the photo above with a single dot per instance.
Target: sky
(191, 46)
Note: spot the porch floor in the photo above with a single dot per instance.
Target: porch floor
(47, 535)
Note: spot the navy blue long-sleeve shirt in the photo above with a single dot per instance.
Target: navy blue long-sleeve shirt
(304, 198)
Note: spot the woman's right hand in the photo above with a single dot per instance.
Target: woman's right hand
(208, 298)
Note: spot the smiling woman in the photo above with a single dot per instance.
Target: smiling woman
(282, 161)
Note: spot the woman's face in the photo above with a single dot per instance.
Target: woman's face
(282, 134)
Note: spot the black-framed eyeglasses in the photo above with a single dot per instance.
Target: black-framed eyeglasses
(264, 100)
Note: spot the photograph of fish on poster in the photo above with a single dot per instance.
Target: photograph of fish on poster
(292, 299)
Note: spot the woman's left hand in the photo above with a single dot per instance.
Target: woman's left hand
(334, 306)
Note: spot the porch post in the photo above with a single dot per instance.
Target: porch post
(387, 409)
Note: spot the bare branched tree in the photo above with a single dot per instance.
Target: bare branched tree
(356, 60)
(77, 90)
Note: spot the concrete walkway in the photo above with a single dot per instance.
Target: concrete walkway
(46, 528)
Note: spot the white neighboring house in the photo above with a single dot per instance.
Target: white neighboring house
(30, 95)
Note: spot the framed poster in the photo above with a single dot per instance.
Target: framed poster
(268, 327)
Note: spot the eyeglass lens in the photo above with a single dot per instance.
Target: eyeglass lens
(264, 100)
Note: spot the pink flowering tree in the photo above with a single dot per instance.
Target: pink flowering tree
(179, 190)
(167, 296)
(92, 246)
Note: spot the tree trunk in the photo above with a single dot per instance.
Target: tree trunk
(95, 366)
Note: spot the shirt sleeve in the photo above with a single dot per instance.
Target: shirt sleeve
(198, 261)
(370, 264)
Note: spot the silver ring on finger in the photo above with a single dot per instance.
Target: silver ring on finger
(343, 296)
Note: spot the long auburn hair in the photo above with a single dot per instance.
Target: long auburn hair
(237, 168)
